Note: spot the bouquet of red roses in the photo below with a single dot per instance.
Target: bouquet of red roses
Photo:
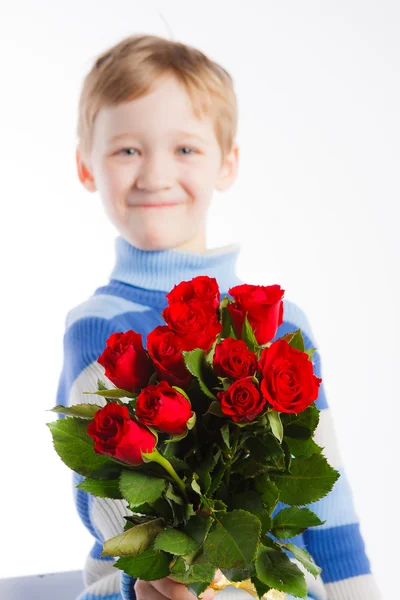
(208, 427)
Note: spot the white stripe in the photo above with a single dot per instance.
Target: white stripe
(96, 569)
(362, 587)
(109, 584)
(107, 515)
(103, 305)
(325, 436)
(87, 382)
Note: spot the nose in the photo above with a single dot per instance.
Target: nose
(155, 173)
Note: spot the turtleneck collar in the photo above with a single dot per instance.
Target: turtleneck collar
(162, 269)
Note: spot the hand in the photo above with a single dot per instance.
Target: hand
(168, 588)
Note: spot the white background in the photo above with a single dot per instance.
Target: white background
(315, 208)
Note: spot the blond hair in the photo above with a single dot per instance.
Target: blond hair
(129, 69)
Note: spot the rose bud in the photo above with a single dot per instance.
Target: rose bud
(242, 401)
(233, 359)
(115, 434)
(164, 408)
(264, 306)
(204, 289)
(193, 323)
(165, 348)
(126, 362)
(288, 382)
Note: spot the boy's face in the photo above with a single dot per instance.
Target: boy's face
(164, 154)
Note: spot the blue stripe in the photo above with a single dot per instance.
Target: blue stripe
(82, 500)
(127, 587)
(105, 306)
(96, 550)
(154, 299)
(338, 507)
(339, 551)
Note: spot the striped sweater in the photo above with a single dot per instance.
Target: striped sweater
(134, 298)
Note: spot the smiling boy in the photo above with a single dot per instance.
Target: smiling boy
(157, 130)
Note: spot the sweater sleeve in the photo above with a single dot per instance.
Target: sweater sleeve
(337, 546)
(103, 517)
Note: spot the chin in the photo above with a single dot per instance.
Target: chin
(148, 243)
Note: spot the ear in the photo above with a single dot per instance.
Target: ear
(228, 170)
(84, 172)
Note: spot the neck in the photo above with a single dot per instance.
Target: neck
(162, 269)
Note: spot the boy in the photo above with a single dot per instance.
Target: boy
(157, 126)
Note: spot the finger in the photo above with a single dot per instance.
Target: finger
(145, 591)
(208, 594)
(172, 589)
(217, 576)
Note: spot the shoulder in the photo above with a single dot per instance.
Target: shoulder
(102, 306)
(89, 324)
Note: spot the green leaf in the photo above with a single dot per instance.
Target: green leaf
(274, 568)
(194, 361)
(171, 495)
(237, 574)
(134, 541)
(297, 340)
(138, 488)
(83, 411)
(226, 319)
(276, 424)
(304, 557)
(301, 425)
(195, 572)
(292, 521)
(261, 588)
(209, 357)
(309, 480)
(225, 434)
(113, 393)
(267, 450)
(175, 542)
(198, 587)
(148, 565)
(232, 541)
(268, 490)
(303, 447)
(75, 447)
(215, 409)
(251, 502)
(198, 526)
(101, 385)
(103, 488)
(310, 352)
(248, 336)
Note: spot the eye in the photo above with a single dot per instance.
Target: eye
(191, 151)
(127, 150)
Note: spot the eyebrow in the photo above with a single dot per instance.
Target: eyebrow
(133, 134)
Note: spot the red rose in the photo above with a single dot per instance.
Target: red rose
(264, 305)
(165, 348)
(233, 359)
(193, 323)
(202, 288)
(163, 407)
(116, 434)
(288, 381)
(242, 401)
(126, 362)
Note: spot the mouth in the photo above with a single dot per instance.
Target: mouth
(158, 205)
